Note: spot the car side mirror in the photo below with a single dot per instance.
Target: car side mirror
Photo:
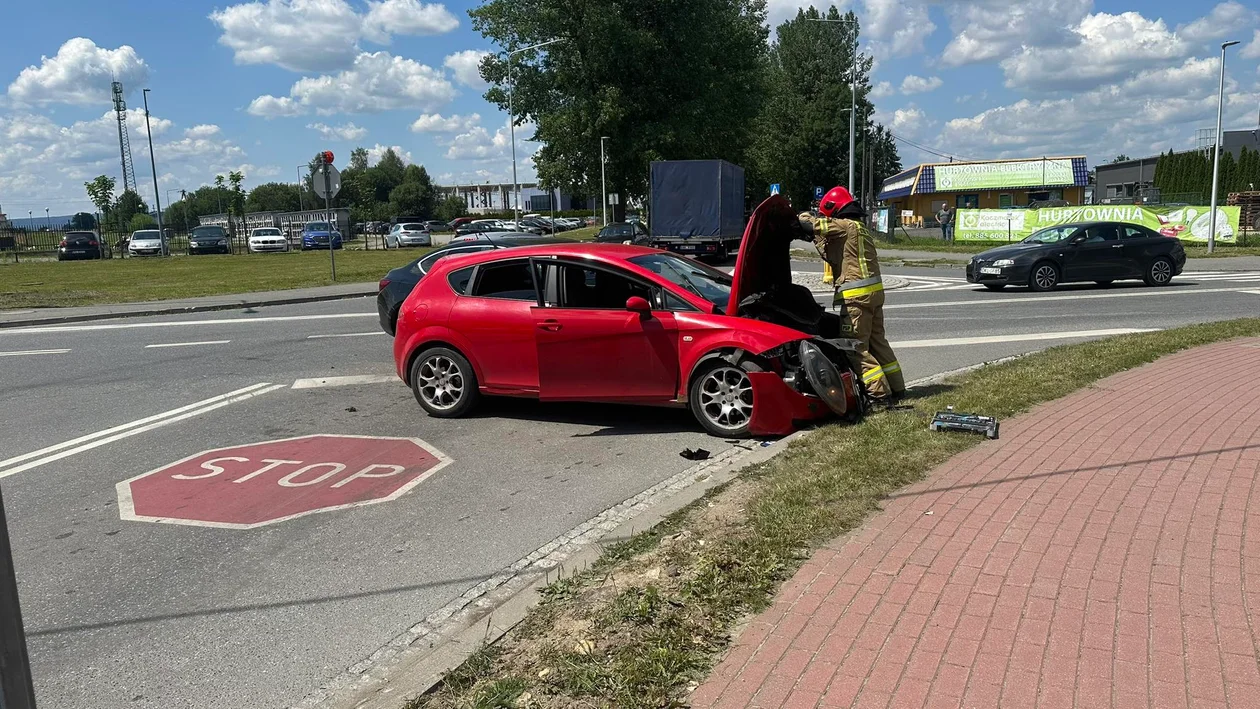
(1077, 240)
(638, 304)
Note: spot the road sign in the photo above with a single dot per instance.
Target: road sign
(818, 192)
(243, 487)
(334, 181)
(614, 198)
(774, 189)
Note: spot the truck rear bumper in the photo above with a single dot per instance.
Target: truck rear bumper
(698, 247)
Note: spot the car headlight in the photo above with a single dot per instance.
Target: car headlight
(222, 242)
(1004, 262)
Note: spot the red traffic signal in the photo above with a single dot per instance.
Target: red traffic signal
(327, 157)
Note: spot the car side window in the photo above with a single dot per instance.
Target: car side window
(596, 289)
(1100, 233)
(676, 304)
(509, 280)
(459, 280)
(1134, 232)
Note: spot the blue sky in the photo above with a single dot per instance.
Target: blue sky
(242, 85)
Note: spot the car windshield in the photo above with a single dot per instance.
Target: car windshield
(266, 232)
(613, 230)
(1051, 235)
(209, 231)
(708, 283)
(317, 226)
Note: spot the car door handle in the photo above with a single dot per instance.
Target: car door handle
(550, 325)
(1117, 246)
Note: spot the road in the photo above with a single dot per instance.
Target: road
(135, 614)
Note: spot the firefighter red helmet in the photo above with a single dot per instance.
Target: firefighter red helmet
(834, 201)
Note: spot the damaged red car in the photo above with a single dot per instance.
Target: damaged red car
(751, 354)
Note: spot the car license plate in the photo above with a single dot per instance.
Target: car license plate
(989, 270)
(686, 248)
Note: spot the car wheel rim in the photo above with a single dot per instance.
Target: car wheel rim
(1046, 277)
(726, 398)
(1161, 272)
(441, 382)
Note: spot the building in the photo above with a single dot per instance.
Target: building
(290, 222)
(490, 198)
(1131, 180)
(920, 192)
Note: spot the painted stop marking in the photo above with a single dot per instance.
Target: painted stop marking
(262, 483)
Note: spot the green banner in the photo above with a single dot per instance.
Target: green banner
(999, 175)
(1186, 223)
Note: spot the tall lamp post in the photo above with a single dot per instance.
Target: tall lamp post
(603, 176)
(1216, 158)
(47, 220)
(516, 185)
(852, 92)
(153, 164)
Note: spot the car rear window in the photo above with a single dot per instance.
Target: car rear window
(78, 237)
(509, 280)
(414, 227)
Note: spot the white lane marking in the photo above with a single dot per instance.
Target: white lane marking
(1025, 337)
(1033, 300)
(346, 334)
(23, 353)
(187, 344)
(34, 459)
(221, 321)
(320, 382)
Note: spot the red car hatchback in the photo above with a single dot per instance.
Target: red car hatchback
(750, 354)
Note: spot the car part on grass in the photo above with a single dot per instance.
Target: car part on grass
(697, 454)
(975, 423)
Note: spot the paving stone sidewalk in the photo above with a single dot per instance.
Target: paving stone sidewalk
(1104, 553)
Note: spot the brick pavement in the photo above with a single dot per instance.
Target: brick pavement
(1104, 553)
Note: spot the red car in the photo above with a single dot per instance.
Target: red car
(750, 354)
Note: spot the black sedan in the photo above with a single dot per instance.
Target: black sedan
(398, 283)
(625, 233)
(1101, 252)
(209, 240)
(79, 245)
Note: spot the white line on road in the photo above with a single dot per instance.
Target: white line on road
(1034, 300)
(34, 459)
(346, 334)
(23, 353)
(188, 344)
(1024, 337)
(321, 382)
(180, 323)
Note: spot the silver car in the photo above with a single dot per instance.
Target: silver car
(267, 238)
(408, 234)
(147, 242)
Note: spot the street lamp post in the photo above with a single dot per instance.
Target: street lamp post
(47, 220)
(157, 198)
(182, 193)
(603, 176)
(516, 185)
(852, 93)
(1216, 159)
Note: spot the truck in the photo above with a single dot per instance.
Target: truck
(696, 207)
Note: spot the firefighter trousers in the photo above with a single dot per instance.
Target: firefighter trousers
(864, 321)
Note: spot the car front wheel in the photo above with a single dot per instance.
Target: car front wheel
(721, 399)
(1044, 277)
(1159, 272)
(444, 383)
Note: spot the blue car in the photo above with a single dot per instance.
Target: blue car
(319, 235)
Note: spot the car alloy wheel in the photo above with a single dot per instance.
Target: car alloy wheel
(1160, 272)
(441, 382)
(1045, 276)
(726, 400)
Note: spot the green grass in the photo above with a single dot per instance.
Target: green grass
(54, 284)
(647, 637)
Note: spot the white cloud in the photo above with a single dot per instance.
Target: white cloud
(406, 17)
(79, 73)
(377, 151)
(882, 90)
(321, 35)
(917, 84)
(908, 121)
(480, 145)
(202, 131)
(436, 123)
(985, 30)
(466, 66)
(1224, 19)
(898, 27)
(377, 82)
(1252, 49)
(348, 131)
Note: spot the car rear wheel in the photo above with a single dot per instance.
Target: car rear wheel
(1044, 277)
(995, 286)
(721, 399)
(1159, 272)
(444, 382)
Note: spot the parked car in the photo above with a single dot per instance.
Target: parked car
(408, 234)
(79, 245)
(749, 354)
(491, 236)
(436, 225)
(624, 233)
(320, 235)
(398, 283)
(147, 242)
(457, 222)
(1071, 253)
(209, 240)
(482, 227)
(267, 238)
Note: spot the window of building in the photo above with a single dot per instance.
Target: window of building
(1006, 201)
(967, 201)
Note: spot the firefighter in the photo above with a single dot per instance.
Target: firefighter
(848, 249)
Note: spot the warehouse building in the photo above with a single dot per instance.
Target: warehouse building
(917, 194)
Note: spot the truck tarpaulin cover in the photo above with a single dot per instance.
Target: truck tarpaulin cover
(697, 198)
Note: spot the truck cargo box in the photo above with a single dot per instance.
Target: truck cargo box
(701, 199)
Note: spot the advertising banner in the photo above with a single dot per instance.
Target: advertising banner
(1186, 223)
(999, 175)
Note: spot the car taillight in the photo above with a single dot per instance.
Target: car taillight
(93, 243)
(384, 282)
(62, 244)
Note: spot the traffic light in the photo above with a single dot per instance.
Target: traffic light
(326, 157)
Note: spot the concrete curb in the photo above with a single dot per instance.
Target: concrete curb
(368, 290)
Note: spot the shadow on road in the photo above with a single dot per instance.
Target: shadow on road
(614, 419)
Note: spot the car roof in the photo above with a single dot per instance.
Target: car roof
(575, 249)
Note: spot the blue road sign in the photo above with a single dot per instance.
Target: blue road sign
(818, 193)
(774, 189)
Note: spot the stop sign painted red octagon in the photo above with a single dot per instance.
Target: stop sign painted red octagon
(248, 486)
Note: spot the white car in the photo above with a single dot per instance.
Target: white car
(267, 238)
(408, 234)
(496, 223)
(148, 242)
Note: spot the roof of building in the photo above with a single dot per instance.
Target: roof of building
(1069, 171)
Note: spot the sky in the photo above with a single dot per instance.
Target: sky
(261, 86)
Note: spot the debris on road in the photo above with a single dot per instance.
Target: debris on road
(950, 421)
(697, 454)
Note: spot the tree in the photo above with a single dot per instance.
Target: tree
(1120, 158)
(83, 221)
(101, 191)
(694, 91)
(129, 204)
(451, 208)
(408, 199)
(141, 221)
(358, 159)
(273, 197)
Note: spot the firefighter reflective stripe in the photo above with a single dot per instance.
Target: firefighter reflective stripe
(828, 276)
(872, 374)
(861, 247)
(892, 367)
(866, 286)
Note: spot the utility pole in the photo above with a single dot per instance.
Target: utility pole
(157, 197)
(516, 184)
(1216, 159)
(603, 176)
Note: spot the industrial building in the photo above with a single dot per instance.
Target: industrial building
(493, 198)
(1130, 180)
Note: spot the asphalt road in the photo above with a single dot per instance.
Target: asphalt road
(135, 614)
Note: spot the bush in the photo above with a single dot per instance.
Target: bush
(142, 221)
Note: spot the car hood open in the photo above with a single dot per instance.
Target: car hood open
(764, 260)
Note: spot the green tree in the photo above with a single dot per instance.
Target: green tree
(101, 191)
(129, 204)
(358, 159)
(1120, 158)
(386, 174)
(408, 199)
(694, 90)
(83, 221)
(451, 208)
(141, 221)
(272, 197)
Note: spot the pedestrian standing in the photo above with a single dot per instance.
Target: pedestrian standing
(946, 218)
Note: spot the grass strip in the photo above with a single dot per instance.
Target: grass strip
(646, 623)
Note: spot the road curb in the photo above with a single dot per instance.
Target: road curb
(248, 303)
